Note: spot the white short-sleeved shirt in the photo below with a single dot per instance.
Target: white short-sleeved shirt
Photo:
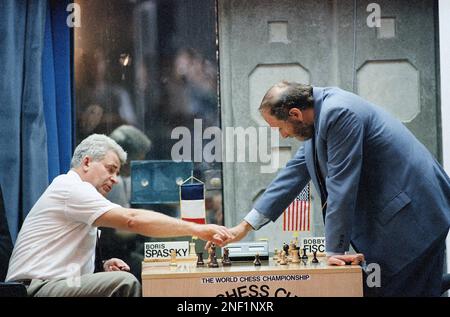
(57, 239)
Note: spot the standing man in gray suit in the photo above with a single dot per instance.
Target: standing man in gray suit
(381, 189)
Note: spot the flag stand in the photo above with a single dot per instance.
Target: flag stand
(190, 181)
(192, 178)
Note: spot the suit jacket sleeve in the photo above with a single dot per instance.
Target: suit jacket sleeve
(344, 133)
(284, 188)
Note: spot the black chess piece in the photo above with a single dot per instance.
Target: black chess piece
(213, 262)
(286, 248)
(226, 257)
(304, 256)
(200, 259)
(210, 251)
(315, 260)
(257, 262)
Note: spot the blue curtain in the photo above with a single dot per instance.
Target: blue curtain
(33, 111)
(56, 79)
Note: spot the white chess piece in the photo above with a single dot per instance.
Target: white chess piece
(173, 258)
(295, 256)
(283, 258)
(192, 252)
(275, 254)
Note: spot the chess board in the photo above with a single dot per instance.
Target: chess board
(243, 279)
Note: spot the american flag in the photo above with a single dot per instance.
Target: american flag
(297, 216)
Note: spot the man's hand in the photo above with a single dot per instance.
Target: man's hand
(220, 235)
(115, 264)
(238, 232)
(344, 259)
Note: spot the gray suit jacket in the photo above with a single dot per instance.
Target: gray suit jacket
(386, 194)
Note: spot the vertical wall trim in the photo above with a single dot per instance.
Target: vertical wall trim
(444, 52)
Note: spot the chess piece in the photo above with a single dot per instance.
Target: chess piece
(292, 246)
(173, 258)
(192, 248)
(286, 248)
(283, 260)
(257, 262)
(226, 257)
(200, 259)
(304, 256)
(213, 262)
(296, 241)
(295, 256)
(279, 256)
(275, 254)
(289, 253)
(315, 260)
(210, 250)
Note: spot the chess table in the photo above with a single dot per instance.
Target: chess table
(243, 279)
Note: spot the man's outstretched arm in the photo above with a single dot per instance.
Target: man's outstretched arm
(154, 224)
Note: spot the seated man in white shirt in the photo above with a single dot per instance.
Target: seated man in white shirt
(55, 250)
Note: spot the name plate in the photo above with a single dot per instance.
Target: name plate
(160, 251)
(314, 244)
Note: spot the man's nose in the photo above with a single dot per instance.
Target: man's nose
(114, 179)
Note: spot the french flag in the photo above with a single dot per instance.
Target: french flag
(192, 203)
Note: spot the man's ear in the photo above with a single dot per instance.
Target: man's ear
(296, 114)
(85, 163)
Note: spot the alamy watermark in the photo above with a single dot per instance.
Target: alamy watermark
(373, 272)
(74, 18)
(374, 18)
(74, 275)
(237, 144)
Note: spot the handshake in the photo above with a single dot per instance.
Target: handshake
(221, 235)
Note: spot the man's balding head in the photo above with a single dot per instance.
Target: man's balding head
(283, 96)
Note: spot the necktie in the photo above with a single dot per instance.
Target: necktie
(322, 187)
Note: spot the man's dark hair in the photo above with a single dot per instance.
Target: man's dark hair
(291, 95)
